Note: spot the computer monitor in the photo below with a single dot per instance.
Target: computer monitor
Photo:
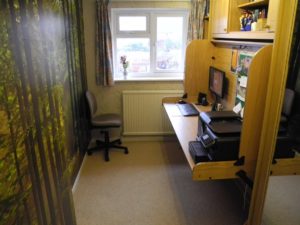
(216, 81)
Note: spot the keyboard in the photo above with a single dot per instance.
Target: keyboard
(187, 109)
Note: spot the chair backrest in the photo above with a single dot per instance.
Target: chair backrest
(91, 102)
(288, 102)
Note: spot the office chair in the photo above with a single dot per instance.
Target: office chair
(105, 123)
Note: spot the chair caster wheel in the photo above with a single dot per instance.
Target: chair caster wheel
(89, 152)
(106, 156)
(126, 151)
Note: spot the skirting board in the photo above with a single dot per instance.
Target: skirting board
(78, 175)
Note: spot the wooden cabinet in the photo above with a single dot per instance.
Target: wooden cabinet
(220, 15)
(225, 22)
(226, 16)
(272, 15)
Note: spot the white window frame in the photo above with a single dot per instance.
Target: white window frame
(131, 14)
(151, 27)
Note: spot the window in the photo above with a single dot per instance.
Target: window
(152, 40)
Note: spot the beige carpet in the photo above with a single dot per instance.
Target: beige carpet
(152, 185)
(282, 205)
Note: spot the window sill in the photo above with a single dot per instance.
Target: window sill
(133, 78)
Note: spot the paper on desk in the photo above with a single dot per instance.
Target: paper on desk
(237, 108)
(243, 81)
(242, 113)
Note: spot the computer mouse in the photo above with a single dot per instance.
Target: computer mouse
(181, 101)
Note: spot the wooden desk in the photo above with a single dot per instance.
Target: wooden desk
(185, 128)
(186, 131)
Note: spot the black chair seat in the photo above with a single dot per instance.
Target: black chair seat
(107, 120)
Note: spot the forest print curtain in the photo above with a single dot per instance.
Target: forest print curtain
(41, 78)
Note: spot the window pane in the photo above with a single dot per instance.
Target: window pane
(169, 43)
(137, 52)
(133, 23)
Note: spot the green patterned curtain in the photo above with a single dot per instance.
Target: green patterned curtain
(41, 84)
(195, 29)
(104, 62)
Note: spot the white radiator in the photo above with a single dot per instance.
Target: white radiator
(143, 112)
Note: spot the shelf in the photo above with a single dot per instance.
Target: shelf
(241, 42)
(254, 4)
(247, 35)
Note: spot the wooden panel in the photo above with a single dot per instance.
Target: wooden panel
(217, 170)
(198, 57)
(222, 61)
(254, 4)
(220, 10)
(286, 167)
(234, 15)
(276, 89)
(255, 35)
(272, 14)
(258, 77)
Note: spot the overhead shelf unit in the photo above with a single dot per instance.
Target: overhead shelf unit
(225, 20)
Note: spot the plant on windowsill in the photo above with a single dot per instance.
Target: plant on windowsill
(125, 64)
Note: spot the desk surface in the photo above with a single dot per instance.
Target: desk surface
(186, 131)
(185, 127)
